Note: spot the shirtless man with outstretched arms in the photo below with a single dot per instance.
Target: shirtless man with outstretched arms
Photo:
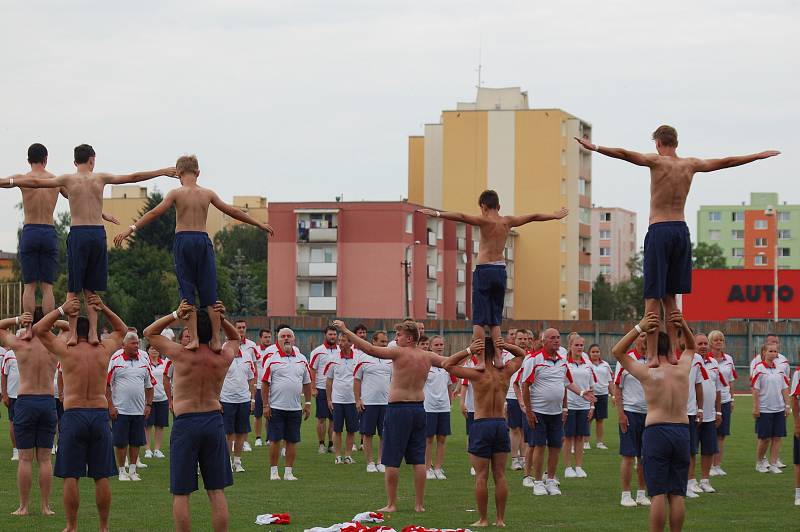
(87, 259)
(489, 442)
(667, 245)
(665, 441)
(84, 441)
(198, 433)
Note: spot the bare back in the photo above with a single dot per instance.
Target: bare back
(494, 232)
(409, 373)
(38, 204)
(37, 366)
(197, 379)
(191, 207)
(85, 191)
(670, 180)
(85, 368)
(667, 391)
(490, 391)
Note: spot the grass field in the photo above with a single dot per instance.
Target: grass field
(326, 494)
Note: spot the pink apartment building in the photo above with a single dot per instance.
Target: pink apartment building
(613, 243)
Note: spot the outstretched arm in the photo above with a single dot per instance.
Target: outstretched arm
(148, 217)
(711, 165)
(455, 216)
(388, 353)
(33, 182)
(639, 159)
(136, 177)
(649, 322)
(238, 214)
(516, 221)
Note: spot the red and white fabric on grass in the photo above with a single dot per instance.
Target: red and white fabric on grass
(368, 517)
(273, 519)
(351, 527)
(417, 528)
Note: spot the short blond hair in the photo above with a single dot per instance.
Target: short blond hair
(408, 327)
(715, 334)
(667, 135)
(186, 164)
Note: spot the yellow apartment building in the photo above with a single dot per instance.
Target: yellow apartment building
(530, 158)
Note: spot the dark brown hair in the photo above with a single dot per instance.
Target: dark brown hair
(667, 135)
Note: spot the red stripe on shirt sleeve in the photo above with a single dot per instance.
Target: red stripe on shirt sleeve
(754, 379)
(569, 376)
(703, 371)
(328, 366)
(314, 360)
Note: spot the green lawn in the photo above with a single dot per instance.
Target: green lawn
(326, 494)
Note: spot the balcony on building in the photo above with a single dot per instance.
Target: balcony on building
(316, 269)
(431, 306)
(317, 225)
(461, 309)
(431, 238)
(431, 271)
(316, 304)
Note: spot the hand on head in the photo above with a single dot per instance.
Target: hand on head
(649, 322)
(339, 324)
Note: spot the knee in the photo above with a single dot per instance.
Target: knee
(441, 439)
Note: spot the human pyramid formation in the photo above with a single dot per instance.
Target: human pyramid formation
(390, 384)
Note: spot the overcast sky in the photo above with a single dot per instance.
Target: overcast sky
(307, 100)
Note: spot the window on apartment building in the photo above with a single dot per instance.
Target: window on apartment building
(585, 300)
(784, 216)
(563, 274)
(737, 234)
(761, 260)
(605, 216)
(737, 253)
(585, 272)
(784, 252)
(737, 216)
(409, 223)
(784, 234)
(563, 244)
(605, 234)
(714, 216)
(714, 234)
(581, 186)
(605, 269)
(322, 289)
(605, 252)
(761, 242)
(439, 262)
(760, 224)
(322, 255)
(585, 216)
(440, 229)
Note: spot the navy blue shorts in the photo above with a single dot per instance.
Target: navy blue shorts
(630, 442)
(345, 414)
(665, 458)
(10, 408)
(38, 253)
(236, 417)
(694, 439)
(601, 407)
(323, 412)
(707, 438)
(514, 414)
(489, 436)
(87, 258)
(488, 294)
(59, 408)
(404, 434)
(128, 431)
(549, 431)
(469, 420)
(577, 423)
(84, 449)
(195, 267)
(159, 415)
(724, 428)
(35, 421)
(667, 260)
(372, 419)
(284, 425)
(258, 410)
(796, 454)
(437, 424)
(198, 439)
(771, 425)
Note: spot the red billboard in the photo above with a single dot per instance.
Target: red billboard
(732, 294)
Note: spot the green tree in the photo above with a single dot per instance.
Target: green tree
(603, 303)
(707, 256)
(623, 300)
(159, 233)
(251, 243)
(246, 299)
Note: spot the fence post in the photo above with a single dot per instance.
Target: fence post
(749, 341)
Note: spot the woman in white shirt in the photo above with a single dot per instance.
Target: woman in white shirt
(438, 397)
(770, 408)
(605, 381)
(580, 411)
(727, 371)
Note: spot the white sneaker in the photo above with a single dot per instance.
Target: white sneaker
(528, 482)
(472, 471)
(140, 465)
(246, 447)
(259, 443)
(322, 449)
(237, 467)
(289, 476)
(429, 475)
(587, 446)
(642, 500)
(721, 472)
(439, 474)
(762, 466)
(349, 460)
(797, 501)
(158, 454)
(283, 452)
(774, 469)
(696, 488)
(601, 445)
(54, 450)
(691, 494)
(706, 486)
(627, 500)
(355, 448)
(274, 476)
(134, 477)
(516, 465)
(14, 455)
(580, 473)
(339, 460)
(713, 472)
(780, 464)
(538, 487)
(569, 473)
(552, 487)
(381, 468)
(123, 476)
(148, 454)
(372, 469)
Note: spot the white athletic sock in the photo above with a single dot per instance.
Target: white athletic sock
(237, 460)
(797, 493)
(287, 470)
(692, 482)
(273, 470)
(639, 494)
(121, 470)
(704, 480)
(626, 493)
(132, 468)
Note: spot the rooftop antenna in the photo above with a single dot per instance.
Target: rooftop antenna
(480, 57)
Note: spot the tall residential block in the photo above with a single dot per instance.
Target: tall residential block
(747, 233)
(613, 243)
(529, 156)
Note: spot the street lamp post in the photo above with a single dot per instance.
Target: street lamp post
(563, 302)
(771, 211)
(406, 264)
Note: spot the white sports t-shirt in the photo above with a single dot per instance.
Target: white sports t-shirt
(340, 371)
(11, 371)
(55, 380)
(582, 375)
(466, 387)
(286, 375)
(697, 375)
(770, 381)
(158, 374)
(794, 389)
(236, 386)
(548, 379)
(270, 351)
(320, 357)
(507, 357)
(727, 369)
(605, 376)
(128, 380)
(260, 352)
(437, 385)
(632, 391)
(375, 375)
(781, 362)
(715, 383)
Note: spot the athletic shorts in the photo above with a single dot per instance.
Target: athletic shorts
(159, 415)
(469, 420)
(128, 431)
(707, 438)
(38, 253)
(771, 425)
(84, 445)
(236, 417)
(323, 412)
(694, 439)
(35, 421)
(667, 260)
(59, 408)
(489, 436)
(345, 414)
(601, 407)
(514, 414)
(11, 401)
(87, 258)
(549, 431)
(372, 419)
(488, 294)
(577, 423)
(630, 442)
(404, 434)
(796, 454)
(437, 424)
(258, 410)
(284, 425)
(195, 267)
(665, 458)
(724, 428)
(198, 440)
